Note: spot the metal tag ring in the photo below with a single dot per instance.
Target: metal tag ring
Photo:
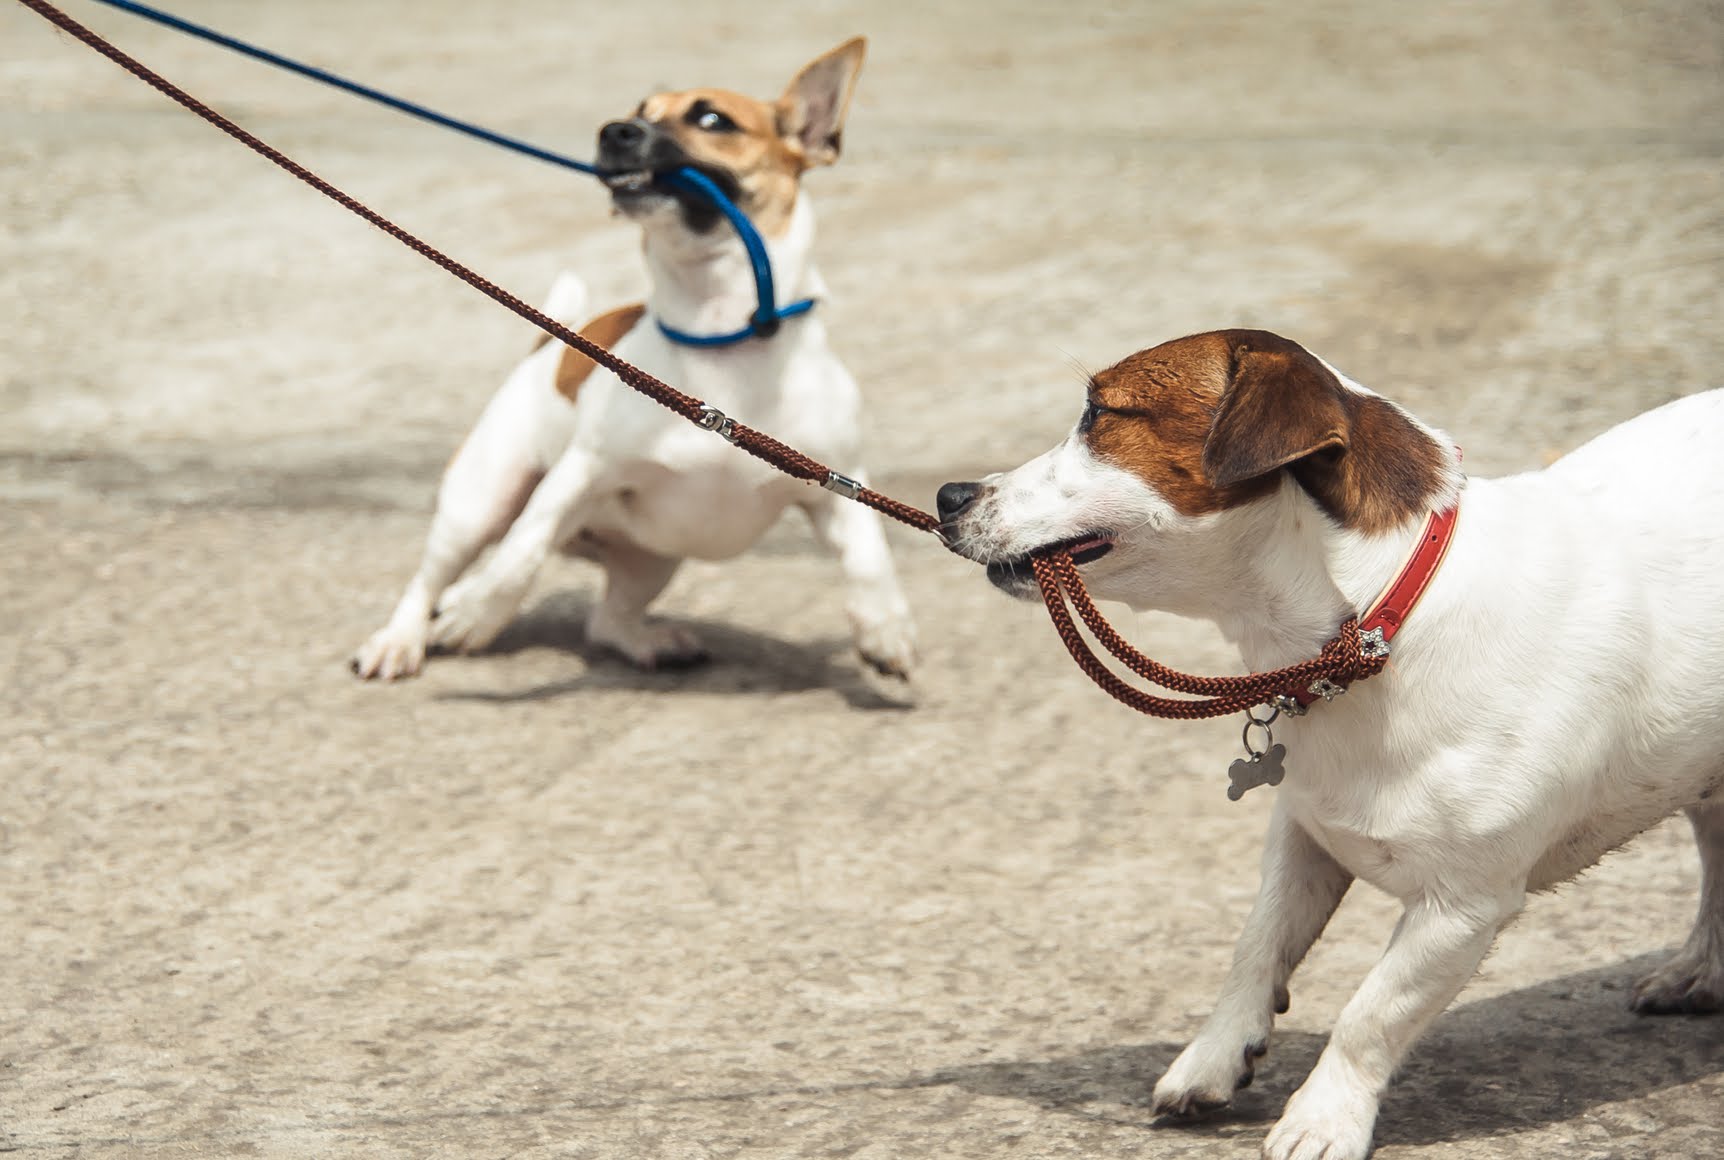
(1245, 736)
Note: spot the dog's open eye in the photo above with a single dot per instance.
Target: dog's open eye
(709, 120)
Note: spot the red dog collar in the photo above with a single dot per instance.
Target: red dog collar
(1390, 610)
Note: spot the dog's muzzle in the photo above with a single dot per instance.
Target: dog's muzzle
(953, 498)
(635, 154)
(631, 153)
(952, 501)
(1012, 574)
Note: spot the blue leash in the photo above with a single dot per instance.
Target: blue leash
(767, 316)
(753, 329)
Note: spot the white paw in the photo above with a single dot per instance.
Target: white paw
(649, 646)
(1207, 1073)
(473, 613)
(887, 642)
(392, 652)
(1690, 982)
(1323, 1123)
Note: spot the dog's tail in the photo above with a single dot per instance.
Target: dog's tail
(567, 303)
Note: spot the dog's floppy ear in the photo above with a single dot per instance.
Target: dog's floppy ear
(1361, 458)
(1280, 406)
(811, 111)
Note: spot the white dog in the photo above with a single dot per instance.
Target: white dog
(567, 458)
(1554, 693)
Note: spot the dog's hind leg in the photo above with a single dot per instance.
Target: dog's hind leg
(1302, 885)
(1692, 981)
(633, 579)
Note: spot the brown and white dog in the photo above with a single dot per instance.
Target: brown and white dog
(567, 458)
(1553, 694)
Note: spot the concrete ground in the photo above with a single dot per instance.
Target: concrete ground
(536, 904)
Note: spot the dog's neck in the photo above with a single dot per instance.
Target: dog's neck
(1302, 576)
(704, 284)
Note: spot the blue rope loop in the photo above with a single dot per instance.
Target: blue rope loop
(767, 315)
(686, 339)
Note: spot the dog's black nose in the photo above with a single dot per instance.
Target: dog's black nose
(955, 497)
(621, 136)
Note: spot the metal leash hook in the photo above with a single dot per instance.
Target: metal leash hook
(715, 420)
(1258, 766)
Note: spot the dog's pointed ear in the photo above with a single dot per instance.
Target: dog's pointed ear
(1280, 406)
(811, 112)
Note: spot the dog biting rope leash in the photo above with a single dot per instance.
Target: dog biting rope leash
(767, 315)
(1345, 658)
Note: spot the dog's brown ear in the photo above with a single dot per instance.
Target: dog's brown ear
(1361, 458)
(811, 112)
(1280, 406)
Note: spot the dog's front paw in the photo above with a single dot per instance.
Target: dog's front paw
(1323, 1124)
(473, 613)
(393, 652)
(1691, 982)
(1206, 1075)
(886, 642)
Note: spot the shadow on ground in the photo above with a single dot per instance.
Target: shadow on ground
(742, 661)
(1494, 1067)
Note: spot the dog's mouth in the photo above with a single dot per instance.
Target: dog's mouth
(629, 183)
(643, 186)
(1017, 573)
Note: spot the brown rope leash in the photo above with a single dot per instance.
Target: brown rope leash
(1342, 659)
(1058, 577)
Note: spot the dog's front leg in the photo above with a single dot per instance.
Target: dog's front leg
(879, 615)
(1302, 885)
(1436, 947)
(485, 487)
(474, 611)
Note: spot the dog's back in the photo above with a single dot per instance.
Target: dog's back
(1642, 622)
(1668, 461)
(1653, 490)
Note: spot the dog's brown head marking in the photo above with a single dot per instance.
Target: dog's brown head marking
(1211, 420)
(764, 146)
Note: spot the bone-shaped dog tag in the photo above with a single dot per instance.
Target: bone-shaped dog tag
(1260, 769)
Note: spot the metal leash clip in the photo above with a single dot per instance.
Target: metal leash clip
(842, 484)
(715, 420)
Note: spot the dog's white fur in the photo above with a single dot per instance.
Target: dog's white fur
(617, 478)
(1554, 694)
